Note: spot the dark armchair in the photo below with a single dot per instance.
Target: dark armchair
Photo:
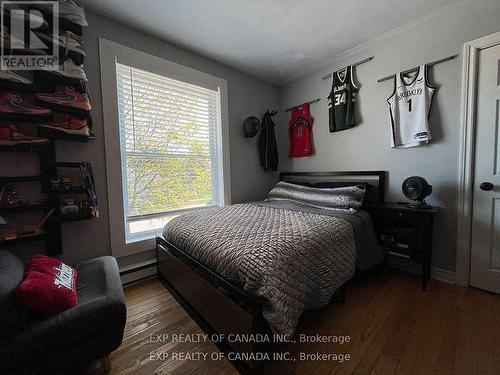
(67, 342)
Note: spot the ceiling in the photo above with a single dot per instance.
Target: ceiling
(275, 40)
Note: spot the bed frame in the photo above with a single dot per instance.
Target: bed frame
(220, 307)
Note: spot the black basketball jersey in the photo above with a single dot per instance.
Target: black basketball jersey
(341, 100)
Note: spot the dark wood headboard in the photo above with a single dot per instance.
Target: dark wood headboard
(376, 180)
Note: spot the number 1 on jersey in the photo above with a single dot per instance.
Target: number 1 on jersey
(409, 105)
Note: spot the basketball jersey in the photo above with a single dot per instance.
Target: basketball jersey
(409, 108)
(300, 132)
(341, 100)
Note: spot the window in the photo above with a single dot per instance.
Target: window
(166, 143)
(169, 148)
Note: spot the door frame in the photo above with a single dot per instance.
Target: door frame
(467, 153)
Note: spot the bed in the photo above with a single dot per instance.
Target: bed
(253, 268)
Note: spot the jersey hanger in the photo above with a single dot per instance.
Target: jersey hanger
(297, 106)
(353, 65)
(414, 69)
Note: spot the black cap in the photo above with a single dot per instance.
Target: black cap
(251, 126)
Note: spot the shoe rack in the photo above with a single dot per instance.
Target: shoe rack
(50, 170)
(51, 231)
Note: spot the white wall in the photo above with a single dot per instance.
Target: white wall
(367, 147)
(247, 96)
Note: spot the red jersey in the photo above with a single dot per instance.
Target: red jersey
(300, 132)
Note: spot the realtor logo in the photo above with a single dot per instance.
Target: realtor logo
(22, 23)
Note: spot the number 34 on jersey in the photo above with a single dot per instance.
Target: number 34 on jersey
(341, 98)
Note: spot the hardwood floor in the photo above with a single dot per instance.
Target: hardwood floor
(394, 327)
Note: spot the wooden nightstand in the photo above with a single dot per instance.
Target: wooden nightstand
(406, 232)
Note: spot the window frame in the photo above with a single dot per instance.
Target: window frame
(111, 53)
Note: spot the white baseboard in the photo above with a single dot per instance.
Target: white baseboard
(437, 273)
(441, 274)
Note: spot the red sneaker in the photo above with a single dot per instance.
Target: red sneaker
(10, 135)
(65, 127)
(66, 100)
(17, 107)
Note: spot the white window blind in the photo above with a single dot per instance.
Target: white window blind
(170, 140)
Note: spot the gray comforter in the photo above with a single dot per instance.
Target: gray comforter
(292, 255)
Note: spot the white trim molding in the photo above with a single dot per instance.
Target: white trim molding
(466, 153)
(111, 53)
(441, 274)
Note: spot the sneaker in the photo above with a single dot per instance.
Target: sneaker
(66, 100)
(65, 124)
(10, 135)
(17, 107)
(11, 80)
(69, 44)
(70, 11)
(68, 71)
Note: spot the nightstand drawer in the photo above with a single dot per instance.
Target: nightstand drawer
(401, 218)
(401, 240)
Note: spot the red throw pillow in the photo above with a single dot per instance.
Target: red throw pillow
(49, 286)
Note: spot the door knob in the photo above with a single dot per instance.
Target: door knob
(486, 186)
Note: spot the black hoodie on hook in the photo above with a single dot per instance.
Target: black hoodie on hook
(268, 149)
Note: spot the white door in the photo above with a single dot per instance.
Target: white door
(485, 249)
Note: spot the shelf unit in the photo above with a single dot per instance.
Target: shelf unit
(25, 147)
(13, 179)
(27, 238)
(26, 207)
(72, 190)
(52, 228)
(67, 219)
(46, 81)
(54, 134)
(51, 233)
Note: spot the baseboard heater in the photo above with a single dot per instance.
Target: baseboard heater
(139, 271)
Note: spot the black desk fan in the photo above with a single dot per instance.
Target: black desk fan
(416, 188)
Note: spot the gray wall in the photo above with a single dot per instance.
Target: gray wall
(247, 96)
(367, 147)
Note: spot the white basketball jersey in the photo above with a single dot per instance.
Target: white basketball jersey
(409, 108)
